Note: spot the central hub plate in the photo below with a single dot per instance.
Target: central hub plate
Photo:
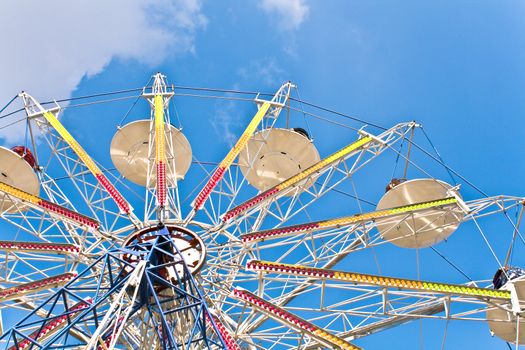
(187, 243)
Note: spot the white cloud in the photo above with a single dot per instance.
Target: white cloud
(49, 46)
(290, 13)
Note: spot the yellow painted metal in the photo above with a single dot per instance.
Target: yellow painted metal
(375, 280)
(19, 194)
(387, 212)
(326, 161)
(160, 152)
(75, 146)
(245, 137)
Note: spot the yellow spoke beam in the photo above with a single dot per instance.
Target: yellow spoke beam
(347, 220)
(48, 206)
(160, 149)
(89, 163)
(230, 157)
(294, 180)
(375, 280)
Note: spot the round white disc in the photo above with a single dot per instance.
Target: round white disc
(130, 148)
(421, 229)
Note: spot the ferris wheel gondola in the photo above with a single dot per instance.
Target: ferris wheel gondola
(17, 169)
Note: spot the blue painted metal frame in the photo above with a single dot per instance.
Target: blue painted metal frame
(107, 275)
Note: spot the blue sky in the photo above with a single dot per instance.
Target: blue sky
(457, 67)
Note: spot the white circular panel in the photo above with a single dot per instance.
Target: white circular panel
(276, 155)
(130, 148)
(421, 229)
(503, 323)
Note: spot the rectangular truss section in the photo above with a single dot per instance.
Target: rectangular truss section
(273, 108)
(347, 220)
(35, 286)
(44, 205)
(329, 172)
(39, 247)
(293, 321)
(379, 281)
(89, 163)
(342, 153)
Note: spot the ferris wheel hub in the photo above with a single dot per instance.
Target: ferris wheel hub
(185, 248)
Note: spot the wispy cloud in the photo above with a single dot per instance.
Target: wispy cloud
(225, 120)
(49, 46)
(266, 72)
(289, 13)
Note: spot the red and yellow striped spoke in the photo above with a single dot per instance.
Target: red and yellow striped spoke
(48, 206)
(293, 321)
(160, 149)
(36, 286)
(39, 247)
(88, 162)
(225, 335)
(297, 178)
(230, 157)
(347, 220)
(52, 326)
(374, 280)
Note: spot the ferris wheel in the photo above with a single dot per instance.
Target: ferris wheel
(101, 258)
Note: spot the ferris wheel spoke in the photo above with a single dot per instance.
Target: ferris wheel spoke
(39, 247)
(225, 334)
(362, 303)
(17, 291)
(293, 321)
(335, 235)
(331, 240)
(376, 280)
(280, 232)
(295, 194)
(330, 245)
(162, 193)
(49, 221)
(23, 198)
(266, 116)
(353, 309)
(65, 145)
